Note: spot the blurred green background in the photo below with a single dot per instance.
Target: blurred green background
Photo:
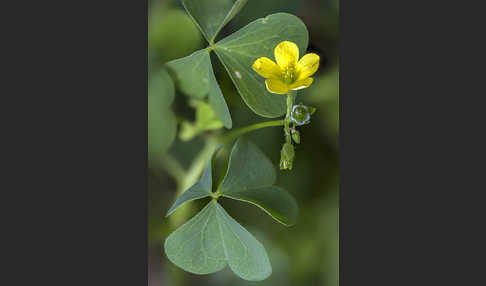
(304, 254)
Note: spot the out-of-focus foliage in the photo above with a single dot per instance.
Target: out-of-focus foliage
(161, 119)
(308, 252)
(205, 120)
(171, 33)
(325, 95)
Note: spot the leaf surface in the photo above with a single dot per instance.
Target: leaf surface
(217, 102)
(275, 201)
(191, 73)
(212, 239)
(248, 168)
(212, 15)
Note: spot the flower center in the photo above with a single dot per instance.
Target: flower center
(289, 75)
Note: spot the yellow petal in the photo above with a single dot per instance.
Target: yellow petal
(286, 54)
(307, 66)
(276, 86)
(266, 68)
(300, 84)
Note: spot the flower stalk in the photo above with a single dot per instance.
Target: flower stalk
(287, 152)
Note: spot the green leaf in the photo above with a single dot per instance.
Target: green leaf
(217, 102)
(191, 73)
(246, 256)
(258, 39)
(275, 201)
(237, 6)
(161, 119)
(212, 15)
(211, 239)
(248, 168)
(250, 177)
(199, 190)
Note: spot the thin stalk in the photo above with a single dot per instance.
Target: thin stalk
(290, 103)
(230, 136)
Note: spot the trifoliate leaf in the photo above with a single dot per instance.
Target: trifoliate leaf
(258, 39)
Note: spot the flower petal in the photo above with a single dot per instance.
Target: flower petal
(276, 86)
(301, 84)
(286, 54)
(307, 66)
(266, 68)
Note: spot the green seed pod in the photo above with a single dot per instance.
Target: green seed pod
(287, 156)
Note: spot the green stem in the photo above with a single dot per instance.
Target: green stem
(230, 136)
(290, 103)
(197, 166)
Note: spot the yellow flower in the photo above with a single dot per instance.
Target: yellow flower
(289, 73)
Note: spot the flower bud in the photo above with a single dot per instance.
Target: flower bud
(296, 136)
(301, 114)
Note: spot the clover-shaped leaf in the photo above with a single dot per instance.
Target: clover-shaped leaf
(161, 119)
(199, 190)
(212, 15)
(194, 76)
(250, 178)
(212, 239)
(258, 39)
